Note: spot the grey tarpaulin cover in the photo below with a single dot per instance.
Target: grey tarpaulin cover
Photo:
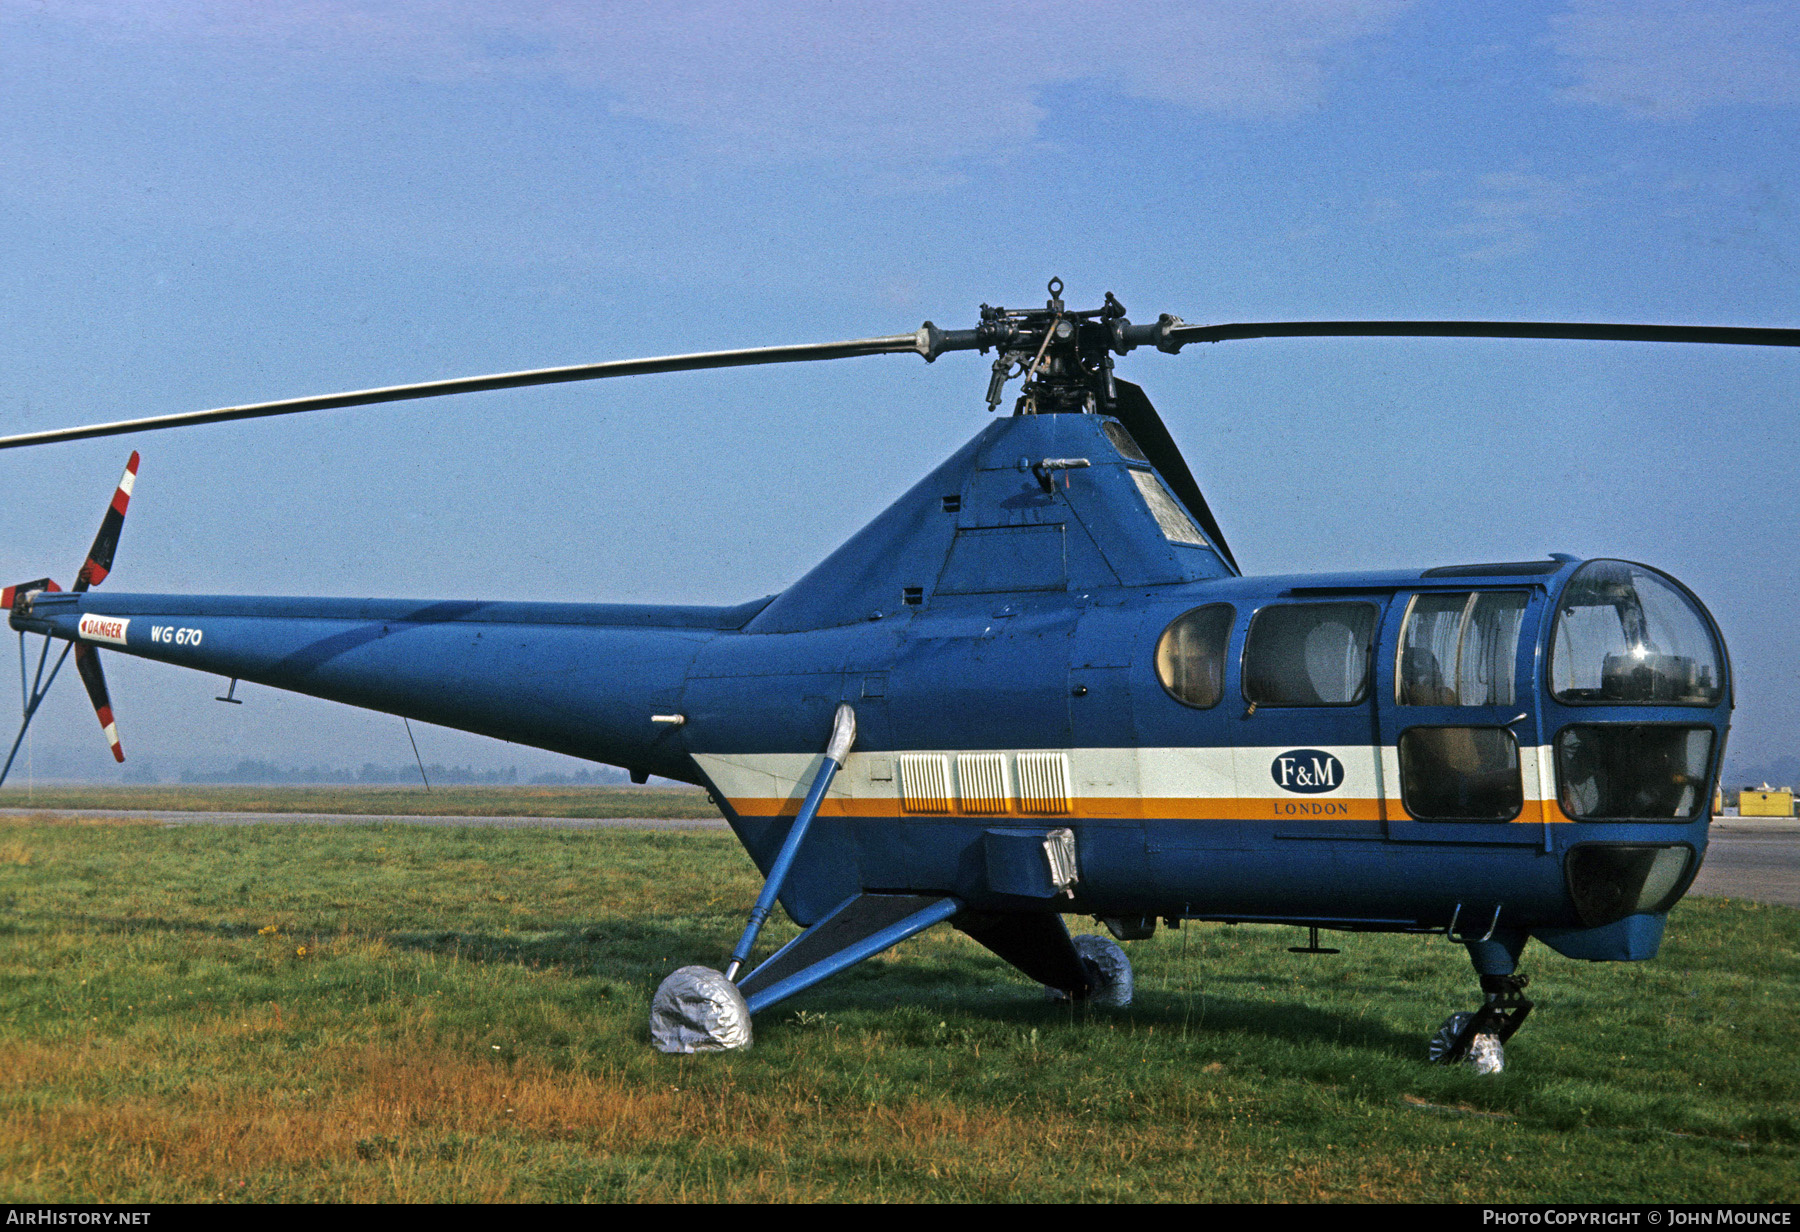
(1486, 1054)
(698, 1010)
(1108, 968)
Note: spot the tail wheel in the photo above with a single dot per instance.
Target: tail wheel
(1109, 971)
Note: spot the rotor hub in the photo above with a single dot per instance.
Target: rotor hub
(1065, 356)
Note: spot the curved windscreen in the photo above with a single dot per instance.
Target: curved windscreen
(1626, 634)
(1633, 771)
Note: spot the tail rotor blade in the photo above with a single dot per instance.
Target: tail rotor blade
(87, 662)
(100, 557)
(24, 588)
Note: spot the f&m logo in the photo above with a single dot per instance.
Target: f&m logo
(1308, 771)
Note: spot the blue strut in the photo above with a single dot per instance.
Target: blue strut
(843, 735)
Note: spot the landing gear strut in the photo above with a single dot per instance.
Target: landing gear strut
(1480, 1038)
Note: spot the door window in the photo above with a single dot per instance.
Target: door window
(1460, 774)
(1459, 649)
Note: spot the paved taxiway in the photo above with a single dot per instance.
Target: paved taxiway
(1759, 861)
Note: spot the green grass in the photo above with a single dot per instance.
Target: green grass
(402, 1013)
(677, 802)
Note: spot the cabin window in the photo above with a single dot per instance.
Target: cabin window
(1176, 526)
(1459, 649)
(1460, 774)
(1190, 655)
(1309, 654)
(1633, 772)
(1625, 634)
(1121, 441)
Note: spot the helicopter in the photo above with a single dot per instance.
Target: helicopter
(1040, 685)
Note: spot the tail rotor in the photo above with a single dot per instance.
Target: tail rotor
(93, 571)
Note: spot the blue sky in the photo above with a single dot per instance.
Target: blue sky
(203, 204)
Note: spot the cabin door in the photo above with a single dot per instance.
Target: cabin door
(1459, 718)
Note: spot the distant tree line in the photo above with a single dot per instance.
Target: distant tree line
(255, 771)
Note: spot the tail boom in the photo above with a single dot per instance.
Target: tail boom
(577, 679)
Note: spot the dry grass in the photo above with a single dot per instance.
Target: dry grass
(66, 821)
(415, 1121)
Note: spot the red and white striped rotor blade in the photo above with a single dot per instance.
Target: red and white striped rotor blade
(24, 588)
(87, 662)
(100, 557)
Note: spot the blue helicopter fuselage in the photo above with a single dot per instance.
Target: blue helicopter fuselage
(1036, 638)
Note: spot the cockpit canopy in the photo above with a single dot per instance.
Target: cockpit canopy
(1626, 634)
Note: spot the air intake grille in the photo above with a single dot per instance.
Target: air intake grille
(1044, 782)
(981, 782)
(925, 782)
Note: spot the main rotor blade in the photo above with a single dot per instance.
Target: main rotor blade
(1133, 409)
(921, 343)
(1591, 331)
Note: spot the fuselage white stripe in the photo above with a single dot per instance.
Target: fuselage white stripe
(1361, 772)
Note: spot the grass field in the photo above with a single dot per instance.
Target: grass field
(384, 801)
(405, 1013)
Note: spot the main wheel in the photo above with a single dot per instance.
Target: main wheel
(1485, 1052)
(1445, 1039)
(698, 1010)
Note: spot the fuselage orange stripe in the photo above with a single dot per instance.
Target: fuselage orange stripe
(1211, 808)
